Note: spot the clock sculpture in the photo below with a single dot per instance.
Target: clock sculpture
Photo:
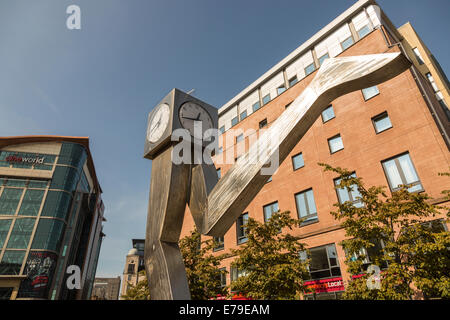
(216, 204)
(170, 189)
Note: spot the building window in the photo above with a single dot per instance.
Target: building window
(31, 202)
(223, 277)
(12, 262)
(266, 99)
(297, 161)
(328, 114)
(335, 143)
(21, 233)
(131, 268)
(219, 243)
(5, 293)
(432, 82)
(323, 58)
(381, 122)
(323, 262)
(219, 173)
(234, 121)
(239, 138)
(348, 193)
(240, 228)
(364, 31)
(293, 81)
(287, 106)
(4, 229)
(236, 273)
(270, 179)
(256, 106)
(269, 210)
(263, 123)
(222, 129)
(418, 56)
(368, 255)
(9, 201)
(370, 92)
(281, 89)
(310, 69)
(48, 234)
(347, 43)
(400, 171)
(306, 206)
(243, 115)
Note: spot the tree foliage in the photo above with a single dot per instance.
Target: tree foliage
(416, 251)
(202, 267)
(140, 291)
(273, 269)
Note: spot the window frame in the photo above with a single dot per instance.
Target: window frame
(309, 217)
(243, 117)
(240, 239)
(272, 212)
(401, 173)
(349, 193)
(334, 137)
(293, 164)
(262, 122)
(364, 96)
(334, 114)
(378, 117)
(264, 100)
(342, 45)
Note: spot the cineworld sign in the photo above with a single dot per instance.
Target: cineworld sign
(36, 160)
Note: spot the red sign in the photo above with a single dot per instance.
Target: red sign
(325, 285)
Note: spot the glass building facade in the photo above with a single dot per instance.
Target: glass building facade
(51, 217)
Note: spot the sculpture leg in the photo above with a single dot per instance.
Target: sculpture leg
(163, 261)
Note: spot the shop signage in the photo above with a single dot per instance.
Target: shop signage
(325, 285)
(37, 160)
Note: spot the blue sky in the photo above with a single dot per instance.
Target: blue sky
(101, 81)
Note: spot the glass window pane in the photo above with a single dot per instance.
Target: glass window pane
(293, 81)
(408, 169)
(31, 202)
(234, 121)
(335, 144)
(37, 184)
(57, 204)
(382, 123)
(266, 99)
(65, 178)
(319, 259)
(332, 255)
(11, 262)
(364, 31)
(256, 106)
(4, 229)
(21, 233)
(16, 182)
(48, 234)
(328, 114)
(347, 43)
(310, 69)
(9, 201)
(301, 205)
(311, 202)
(280, 90)
(394, 177)
(298, 161)
(323, 58)
(370, 92)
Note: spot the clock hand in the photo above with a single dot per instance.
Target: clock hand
(195, 119)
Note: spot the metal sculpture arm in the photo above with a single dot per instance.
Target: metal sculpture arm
(216, 207)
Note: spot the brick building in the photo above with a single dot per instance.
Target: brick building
(394, 133)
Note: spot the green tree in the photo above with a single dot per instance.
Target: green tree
(202, 267)
(270, 260)
(139, 291)
(415, 253)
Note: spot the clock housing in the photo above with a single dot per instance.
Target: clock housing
(175, 100)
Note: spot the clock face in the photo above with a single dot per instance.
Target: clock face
(191, 114)
(158, 122)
